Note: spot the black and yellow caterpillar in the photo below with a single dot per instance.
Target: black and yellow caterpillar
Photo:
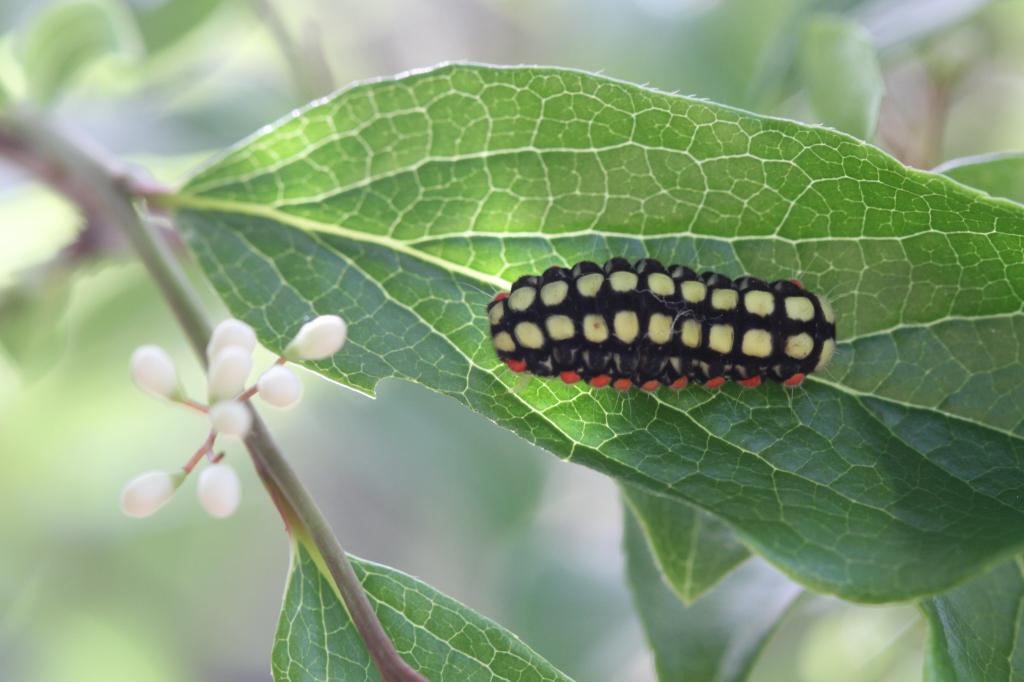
(649, 326)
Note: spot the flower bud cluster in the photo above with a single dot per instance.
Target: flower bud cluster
(229, 357)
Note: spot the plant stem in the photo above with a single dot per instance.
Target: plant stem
(204, 449)
(99, 186)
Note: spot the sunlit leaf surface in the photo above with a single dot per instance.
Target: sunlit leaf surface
(404, 205)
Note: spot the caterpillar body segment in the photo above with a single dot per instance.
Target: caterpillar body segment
(647, 325)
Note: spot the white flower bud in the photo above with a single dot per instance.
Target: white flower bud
(319, 338)
(230, 332)
(153, 371)
(231, 418)
(228, 373)
(147, 492)
(279, 386)
(219, 490)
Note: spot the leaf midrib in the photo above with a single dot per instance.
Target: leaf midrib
(308, 225)
(195, 198)
(574, 444)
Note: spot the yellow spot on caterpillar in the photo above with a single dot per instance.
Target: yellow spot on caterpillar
(677, 364)
(595, 329)
(627, 326)
(529, 335)
(622, 281)
(721, 337)
(661, 284)
(553, 293)
(503, 342)
(799, 308)
(691, 333)
(522, 298)
(560, 327)
(694, 291)
(799, 346)
(659, 328)
(589, 285)
(724, 299)
(496, 313)
(759, 303)
(757, 343)
(828, 349)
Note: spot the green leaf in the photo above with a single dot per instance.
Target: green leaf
(1001, 175)
(66, 38)
(34, 333)
(842, 75)
(439, 637)
(717, 638)
(164, 24)
(404, 205)
(903, 25)
(976, 629)
(693, 549)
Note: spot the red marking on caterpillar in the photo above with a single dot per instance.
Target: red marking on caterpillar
(516, 365)
(794, 380)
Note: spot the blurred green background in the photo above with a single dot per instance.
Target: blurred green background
(410, 479)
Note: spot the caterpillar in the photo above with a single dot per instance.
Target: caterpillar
(648, 325)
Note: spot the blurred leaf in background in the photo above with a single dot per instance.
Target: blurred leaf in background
(975, 629)
(1001, 175)
(34, 288)
(718, 636)
(693, 549)
(161, 24)
(65, 38)
(842, 76)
